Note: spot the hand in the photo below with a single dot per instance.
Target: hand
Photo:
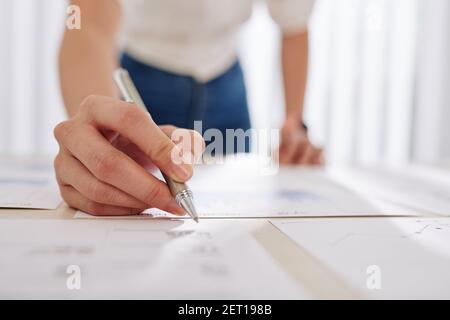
(102, 177)
(295, 147)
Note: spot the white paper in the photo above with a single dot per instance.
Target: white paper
(418, 193)
(390, 258)
(238, 192)
(28, 183)
(137, 260)
(292, 192)
(28, 192)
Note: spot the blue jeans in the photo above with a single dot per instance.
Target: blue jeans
(181, 100)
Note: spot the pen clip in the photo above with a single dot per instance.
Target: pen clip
(127, 88)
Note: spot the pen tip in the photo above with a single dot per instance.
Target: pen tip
(187, 205)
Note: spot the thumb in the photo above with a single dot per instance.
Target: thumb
(191, 143)
(166, 156)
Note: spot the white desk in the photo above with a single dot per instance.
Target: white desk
(306, 270)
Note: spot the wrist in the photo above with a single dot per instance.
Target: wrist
(295, 122)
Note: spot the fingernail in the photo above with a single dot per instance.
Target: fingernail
(174, 208)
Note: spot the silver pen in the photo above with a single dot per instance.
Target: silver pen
(183, 195)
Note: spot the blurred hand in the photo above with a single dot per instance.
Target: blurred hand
(106, 153)
(295, 147)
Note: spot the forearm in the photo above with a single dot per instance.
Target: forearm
(295, 71)
(89, 56)
(86, 65)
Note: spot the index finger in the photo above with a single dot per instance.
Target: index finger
(137, 126)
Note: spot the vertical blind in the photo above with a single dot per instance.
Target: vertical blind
(377, 91)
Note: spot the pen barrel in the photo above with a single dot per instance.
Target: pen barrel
(180, 191)
(177, 188)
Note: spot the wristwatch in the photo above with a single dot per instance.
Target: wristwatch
(305, 127)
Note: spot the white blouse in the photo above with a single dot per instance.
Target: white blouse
(198, 37)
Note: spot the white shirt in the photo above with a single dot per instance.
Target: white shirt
(198, 37)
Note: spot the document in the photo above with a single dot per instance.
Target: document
(26, 192)
(238, 192)
(292, 192)
(382, 258)
(161, 259)
(28, 184)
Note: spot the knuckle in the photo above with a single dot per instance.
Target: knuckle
(64, 194)
(152, 195)
(94, 208)
(131, 117)
(88, 102)
(161, 150)
(63, 130)
(168, 129)
(58, 163)
(105, 165)
(99, 192)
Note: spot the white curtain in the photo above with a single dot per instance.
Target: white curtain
(377, 90)
(30, 103)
